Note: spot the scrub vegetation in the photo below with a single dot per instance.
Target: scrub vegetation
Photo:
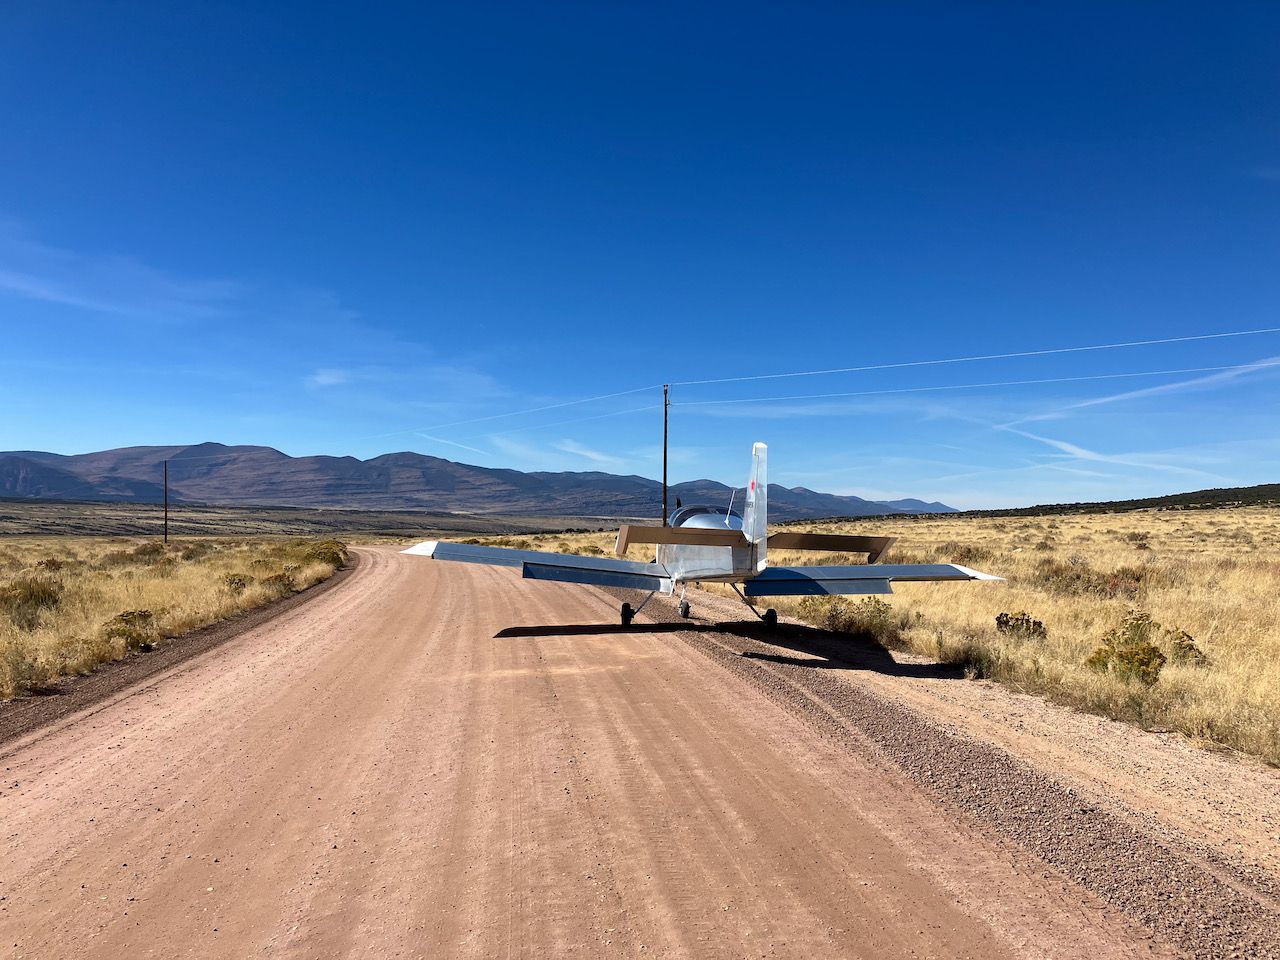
(1165, 618)
(68, 605)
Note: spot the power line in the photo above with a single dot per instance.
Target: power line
(991, 356)
(977, 386)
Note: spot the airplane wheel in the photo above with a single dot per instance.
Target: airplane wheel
(627, 614)
(684, 609)
(770, 617)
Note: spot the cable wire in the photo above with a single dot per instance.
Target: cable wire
(976, 386)
(991, 356)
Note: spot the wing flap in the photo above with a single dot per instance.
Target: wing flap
(507, 557)
(874, 547)
(813, 587)
(599, 577)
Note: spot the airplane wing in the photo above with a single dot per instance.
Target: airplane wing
(539, 565)
(868, 579)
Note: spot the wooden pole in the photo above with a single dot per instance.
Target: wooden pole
(666, 403)
(166, 502)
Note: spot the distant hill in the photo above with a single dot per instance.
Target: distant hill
(232, 475)
(1264, 494)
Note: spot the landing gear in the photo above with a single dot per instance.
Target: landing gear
(629, 612)
(769, 617)
(683, 609)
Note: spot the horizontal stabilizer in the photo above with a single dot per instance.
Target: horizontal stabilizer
(630, 534)
(873, 547)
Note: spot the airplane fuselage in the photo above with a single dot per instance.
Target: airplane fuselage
(690, 562)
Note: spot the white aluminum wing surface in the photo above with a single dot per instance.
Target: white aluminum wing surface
(868, 579)
(540, 565)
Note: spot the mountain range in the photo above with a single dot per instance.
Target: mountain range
(218, 474)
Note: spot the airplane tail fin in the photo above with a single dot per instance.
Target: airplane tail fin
(755, 517)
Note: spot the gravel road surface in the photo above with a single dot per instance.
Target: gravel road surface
(443, 760)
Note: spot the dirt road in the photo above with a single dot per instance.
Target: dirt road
(427, 762)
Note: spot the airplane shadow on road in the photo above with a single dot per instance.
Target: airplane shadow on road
(822, 649)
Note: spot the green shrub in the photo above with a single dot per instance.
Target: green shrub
(1076, 578)
(236, 582)
(24, 598)
(136, 628)
(1129, 651)
(1021, 625)
(332, 552)
(197, 550)
(279, 584)
(152, 552)
(1183, 650)
(868, 619)
(964, 553)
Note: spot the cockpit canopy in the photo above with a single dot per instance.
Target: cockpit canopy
(707, 518)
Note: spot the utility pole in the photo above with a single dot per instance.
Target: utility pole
(166, 502)
(666, 403)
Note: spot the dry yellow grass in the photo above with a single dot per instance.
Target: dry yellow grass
(68, 605)
(1213, 574)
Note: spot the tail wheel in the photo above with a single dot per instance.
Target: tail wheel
(684, 609)
(627, 614)
(770, 617)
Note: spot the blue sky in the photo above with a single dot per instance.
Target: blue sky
(360, 229)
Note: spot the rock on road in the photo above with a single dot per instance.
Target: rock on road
(391, 770)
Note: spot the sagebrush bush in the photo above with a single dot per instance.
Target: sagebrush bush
(332, 552)
(25, 598)
(1182, 648)
(278, 584)
(1022, 625)
(868, 619)
(1129, 651)
(968, 554)
(237, 582)
(133, 628)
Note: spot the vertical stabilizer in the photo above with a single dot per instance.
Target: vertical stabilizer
(755, 518)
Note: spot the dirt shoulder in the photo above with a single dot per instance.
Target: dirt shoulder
(23, 716)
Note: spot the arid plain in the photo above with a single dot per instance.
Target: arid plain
(445, 760)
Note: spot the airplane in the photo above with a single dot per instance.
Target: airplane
(715, 544)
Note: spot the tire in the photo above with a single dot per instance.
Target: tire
(684, 609)
(770, 617)
(627, 614)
